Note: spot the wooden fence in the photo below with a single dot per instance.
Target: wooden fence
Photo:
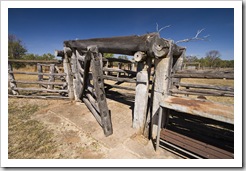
(55, 86)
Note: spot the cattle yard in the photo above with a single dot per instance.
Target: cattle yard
(114, 105)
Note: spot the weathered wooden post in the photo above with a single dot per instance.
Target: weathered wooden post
(161, 84)
(75, 77)
(11, 79)
(67, 70)
(98, 82)
(142, 90)
(119, 67)
(40, 71)
(51, 77)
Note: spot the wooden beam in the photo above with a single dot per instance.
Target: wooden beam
(36, 73)
(119, 87)
(39, 97)
(98, 83)
(93, 111)
(202, 92)
(108, 77)
(51, 77)
(151, 43)
(204, 108)
(206, 86)
(141, 97)
(35, 61)
(67, 70)
(117, 60)
(119, 70)
(210, 74)
(40, 82)
(161, 85)
(37, 89)
(11, 80)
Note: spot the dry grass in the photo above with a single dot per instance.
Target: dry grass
(27, 138)
(219, 82)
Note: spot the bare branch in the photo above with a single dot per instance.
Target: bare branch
(194, 38)
(157, 27)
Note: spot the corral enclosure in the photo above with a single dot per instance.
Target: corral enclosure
(153, 77)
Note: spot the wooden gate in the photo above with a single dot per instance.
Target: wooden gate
(44, 84)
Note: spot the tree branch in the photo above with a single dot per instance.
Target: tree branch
(157, 28)
(195, 38)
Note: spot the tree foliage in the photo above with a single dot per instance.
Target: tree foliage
(16, 49)
(123, 57)
(211, 60)
(108, 55)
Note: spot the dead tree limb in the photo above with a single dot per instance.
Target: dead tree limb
(195, 38)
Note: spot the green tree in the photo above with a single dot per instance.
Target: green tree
(47, 57)
(108, 55)
(212, 58)
(123, 57)
(16, 49)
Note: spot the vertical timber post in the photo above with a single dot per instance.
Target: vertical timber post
(142, 91)
(52, 77)
(98, 82)
(67, 70)
(161, 85)
(11, 79)
(40, 70)
(76, 85)
(119, 67)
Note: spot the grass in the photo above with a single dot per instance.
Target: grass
(219, 82)
(27, 138)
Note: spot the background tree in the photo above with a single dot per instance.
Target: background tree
(212, 58)
(16, 49)
(123, 57)
(191, 58)
(108, 55)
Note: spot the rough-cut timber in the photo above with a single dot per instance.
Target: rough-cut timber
(141, 97)
(161, 84)
(206, 86)
(35, 61)
(98, 83)
(37, 73)
(197, 147)
(40, 82)
(212, 74)
(151, 43)
(11, 79)
(202, 92)
(208, 109)
(67, 70)
(51, 78)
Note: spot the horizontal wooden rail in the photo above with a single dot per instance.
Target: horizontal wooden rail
(202, 92)
(214, 87)
(117, 60)
(119, 70)
(37, 89)
(204, 108)
(35, 61)
(107, 77)
(210, 74)
(195, 146)
(36, 73)
(39, 82)
(119, 87)
(39, 97)
(93, 111)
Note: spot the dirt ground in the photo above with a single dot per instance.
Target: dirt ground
(67, 130)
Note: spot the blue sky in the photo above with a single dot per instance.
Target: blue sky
(44, 30)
